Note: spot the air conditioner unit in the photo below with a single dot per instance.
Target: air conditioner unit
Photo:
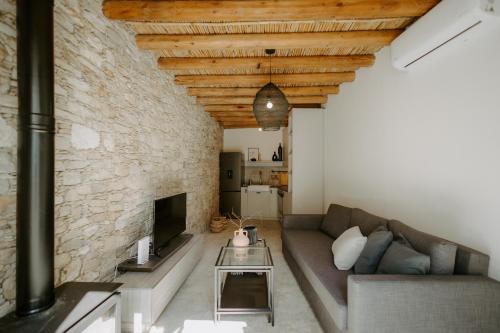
(447, 21)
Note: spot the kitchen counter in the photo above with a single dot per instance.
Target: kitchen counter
(276, 187)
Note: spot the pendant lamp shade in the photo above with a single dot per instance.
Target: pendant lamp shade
(270, 107)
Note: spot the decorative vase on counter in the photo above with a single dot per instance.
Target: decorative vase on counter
(280, 153)
(240, 238)
(275, 157)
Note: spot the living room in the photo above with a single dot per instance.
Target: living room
(109, 109)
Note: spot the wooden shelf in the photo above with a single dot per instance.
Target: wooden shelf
(271, 164)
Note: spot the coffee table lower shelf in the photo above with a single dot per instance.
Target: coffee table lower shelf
(245, 293)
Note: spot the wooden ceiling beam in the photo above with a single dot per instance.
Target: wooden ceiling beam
(235, 122)
(228, 108)
(242, 126)
(232, 116)
(246, 108)
(243, 123)
(259, 80)
(257, 10)
(337, 39)
(235, 119)
(227, 100)
(288, 91)
(231, 113)
(333, 63)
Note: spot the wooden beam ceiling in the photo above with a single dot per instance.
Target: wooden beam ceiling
(249, 108)
(242, 114)
(228, 108)
(227, 100)
(288, 91)
(333, 63)
(216, 47)
(257, 10)
(259, 80)
(341, 39)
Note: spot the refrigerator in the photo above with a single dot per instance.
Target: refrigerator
(232, 176)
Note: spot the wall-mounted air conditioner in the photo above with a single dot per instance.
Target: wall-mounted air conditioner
(447, 21)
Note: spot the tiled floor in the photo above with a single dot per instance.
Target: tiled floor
(191, 310)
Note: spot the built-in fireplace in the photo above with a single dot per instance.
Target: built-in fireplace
(73, 306)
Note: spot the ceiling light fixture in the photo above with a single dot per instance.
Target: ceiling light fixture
(270, 105)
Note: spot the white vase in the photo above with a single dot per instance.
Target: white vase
(240, 238)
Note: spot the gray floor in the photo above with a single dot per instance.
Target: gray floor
(191, 310)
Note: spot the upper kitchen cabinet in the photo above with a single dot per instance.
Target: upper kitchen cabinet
(305, 162)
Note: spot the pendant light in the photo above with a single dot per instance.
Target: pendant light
(270, 105)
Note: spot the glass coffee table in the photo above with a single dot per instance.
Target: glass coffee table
(244, 281)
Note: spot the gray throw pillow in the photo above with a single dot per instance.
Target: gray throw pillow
(376, 245)
(401, 258)
(442, 252)
(336, 220)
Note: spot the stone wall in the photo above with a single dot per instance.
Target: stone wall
(125, 135)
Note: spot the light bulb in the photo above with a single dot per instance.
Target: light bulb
(269, 105)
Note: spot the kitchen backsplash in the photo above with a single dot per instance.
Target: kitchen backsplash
(263, 175)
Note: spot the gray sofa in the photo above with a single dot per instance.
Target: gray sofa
(464, 300)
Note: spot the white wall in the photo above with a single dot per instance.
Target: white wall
(243, 138)
(423, 146)
(306, 162)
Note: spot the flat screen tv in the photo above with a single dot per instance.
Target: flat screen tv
(170, 220)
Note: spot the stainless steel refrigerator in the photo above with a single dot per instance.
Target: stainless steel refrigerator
(232, 176)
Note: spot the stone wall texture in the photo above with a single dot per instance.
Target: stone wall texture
(125, 136)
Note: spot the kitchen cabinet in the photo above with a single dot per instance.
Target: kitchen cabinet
(259, 204)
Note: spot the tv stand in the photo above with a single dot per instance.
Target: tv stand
(156, 260)
(146, 294)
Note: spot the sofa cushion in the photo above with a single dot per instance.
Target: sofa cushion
(365, 221)
(347, 248)
(311, 251)
(401, 258)
(441, 251)
(376, 245)
(336, 220)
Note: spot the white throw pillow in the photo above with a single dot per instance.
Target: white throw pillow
(347, 248)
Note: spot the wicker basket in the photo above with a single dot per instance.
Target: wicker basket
(218, 224)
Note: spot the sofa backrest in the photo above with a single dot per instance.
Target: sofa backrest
(340, 218)
(365, 221)
(471, 262)
(446, 257)
(336, 220)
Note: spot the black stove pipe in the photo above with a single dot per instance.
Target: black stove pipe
(35, 157)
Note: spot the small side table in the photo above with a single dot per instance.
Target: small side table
(244, 281)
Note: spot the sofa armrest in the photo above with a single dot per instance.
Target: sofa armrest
(302, 221)
(427, 304)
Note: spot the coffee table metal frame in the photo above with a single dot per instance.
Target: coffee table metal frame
(221, 272)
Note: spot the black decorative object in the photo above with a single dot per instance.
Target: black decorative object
(252, 234)
(270, 105)
(280, 153)
(275, 157)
